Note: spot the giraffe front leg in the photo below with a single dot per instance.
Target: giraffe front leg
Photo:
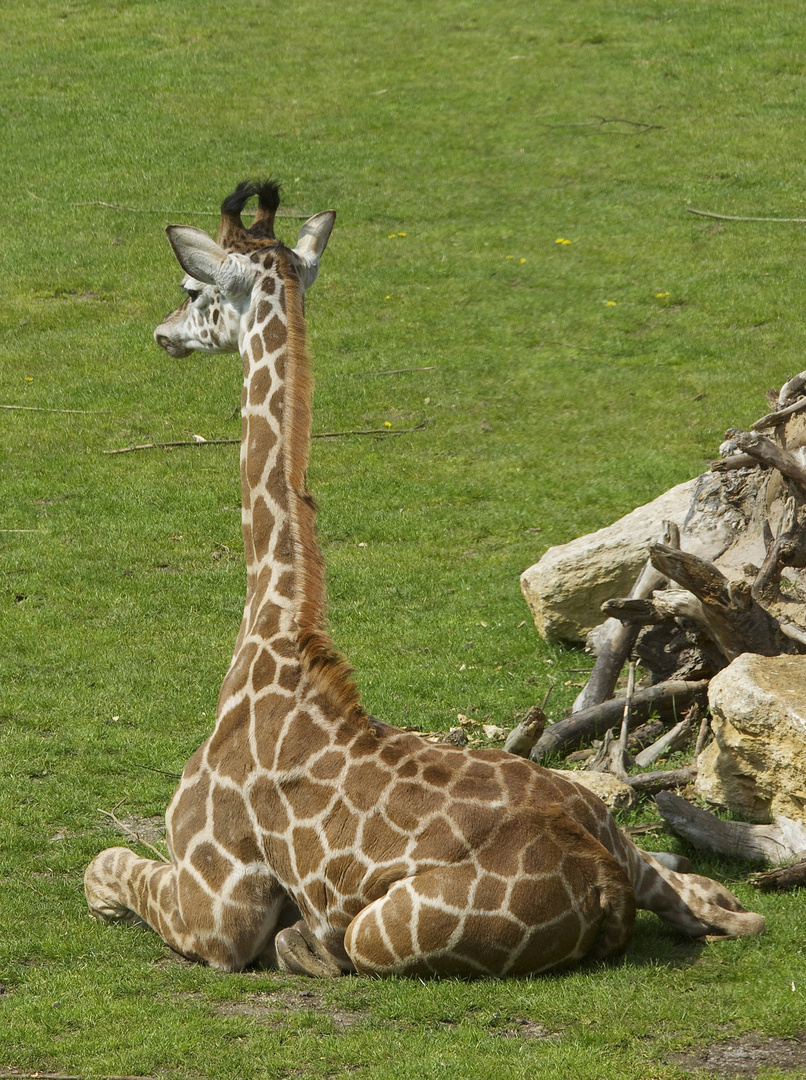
(300, 953)
(227, 930)
(122, 887)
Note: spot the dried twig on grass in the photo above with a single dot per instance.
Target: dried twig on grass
(284, 212)
(394, 371)
(199, 441)
(42, 408)
(127, 830)
(731, 217)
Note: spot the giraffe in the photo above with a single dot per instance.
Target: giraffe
(305, 835)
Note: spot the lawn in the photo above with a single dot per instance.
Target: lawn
(558, 386)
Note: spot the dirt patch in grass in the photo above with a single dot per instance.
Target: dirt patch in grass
(275, 1006)
(747, 1056)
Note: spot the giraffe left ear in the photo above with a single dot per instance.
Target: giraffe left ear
(312, 241)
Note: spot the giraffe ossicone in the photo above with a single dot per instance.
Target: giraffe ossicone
(304, 834)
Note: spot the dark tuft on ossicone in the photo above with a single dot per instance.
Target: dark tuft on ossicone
(262, 228)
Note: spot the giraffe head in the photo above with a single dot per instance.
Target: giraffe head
(221, 275)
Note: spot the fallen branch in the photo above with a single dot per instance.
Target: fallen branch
(673, 696)
(621, 638)
(774, 418)
(673, 739)
(781, 879)
(395, 371)
(767, 843)
(768, 453)
(651, 783)
(132, 834)
(42, 408)
(733, 620)
(168, 445)
(229, 442)
(731, 217)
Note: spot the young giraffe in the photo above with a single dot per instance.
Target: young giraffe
(303, 833)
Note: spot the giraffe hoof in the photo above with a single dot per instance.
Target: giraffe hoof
(299, 953)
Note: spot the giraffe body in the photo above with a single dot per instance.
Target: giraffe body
(305, 834)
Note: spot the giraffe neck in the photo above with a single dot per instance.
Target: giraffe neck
(285, 596)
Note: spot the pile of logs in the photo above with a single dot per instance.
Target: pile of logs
(688, 616)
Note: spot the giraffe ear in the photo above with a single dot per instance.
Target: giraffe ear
(198, 254)
(312, 241)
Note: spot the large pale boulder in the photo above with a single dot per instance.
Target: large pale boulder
(613, 792)
(756, 766)
(565, 590)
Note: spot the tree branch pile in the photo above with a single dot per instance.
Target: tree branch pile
(690, 613)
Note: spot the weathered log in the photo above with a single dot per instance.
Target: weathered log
(618, 644)
(787, 549)
(761, 843)
(525, 734)
(675, 695)
(773, 419)
(730, 616)
(650, 783)
(611, 757)
(782, 878)
(792, 389)
(673, 739)
(734, 461)
(765, 451)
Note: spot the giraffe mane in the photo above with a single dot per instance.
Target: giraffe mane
(319, 658)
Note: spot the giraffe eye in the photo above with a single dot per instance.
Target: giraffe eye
(193, 294)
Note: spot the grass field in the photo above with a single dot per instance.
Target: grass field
(561, 384)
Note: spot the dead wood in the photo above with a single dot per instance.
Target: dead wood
(611, 757)
(787, 549)
(706, 832)
(623, 635)
(673, 696)
(674, 739)
(765, 451)
(734, 461)
(731, 617)
(792, 389)
(782, 878)
(651, 783)
(525, 734)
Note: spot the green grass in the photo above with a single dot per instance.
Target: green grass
(476, 132)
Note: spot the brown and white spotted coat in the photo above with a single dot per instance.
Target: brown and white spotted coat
(305, 834)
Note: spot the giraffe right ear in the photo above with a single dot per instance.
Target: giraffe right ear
(201, 257)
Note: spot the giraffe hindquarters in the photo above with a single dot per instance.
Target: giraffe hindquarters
(523, 926)
(227, 933)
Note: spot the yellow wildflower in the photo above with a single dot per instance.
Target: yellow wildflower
(522, 260)
(386, 423)
(562, 241)
(661, 295)
(610, 303)
(401, 234)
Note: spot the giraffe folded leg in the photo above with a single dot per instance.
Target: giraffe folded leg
(227, 933)
(300, 953)
(458, 920)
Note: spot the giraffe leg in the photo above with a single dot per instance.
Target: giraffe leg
(299, 952)
(458, 920)
(693, 904)
(227, 933)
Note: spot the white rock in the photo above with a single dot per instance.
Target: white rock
(756, 766)
(565, 590)
(613, 792)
